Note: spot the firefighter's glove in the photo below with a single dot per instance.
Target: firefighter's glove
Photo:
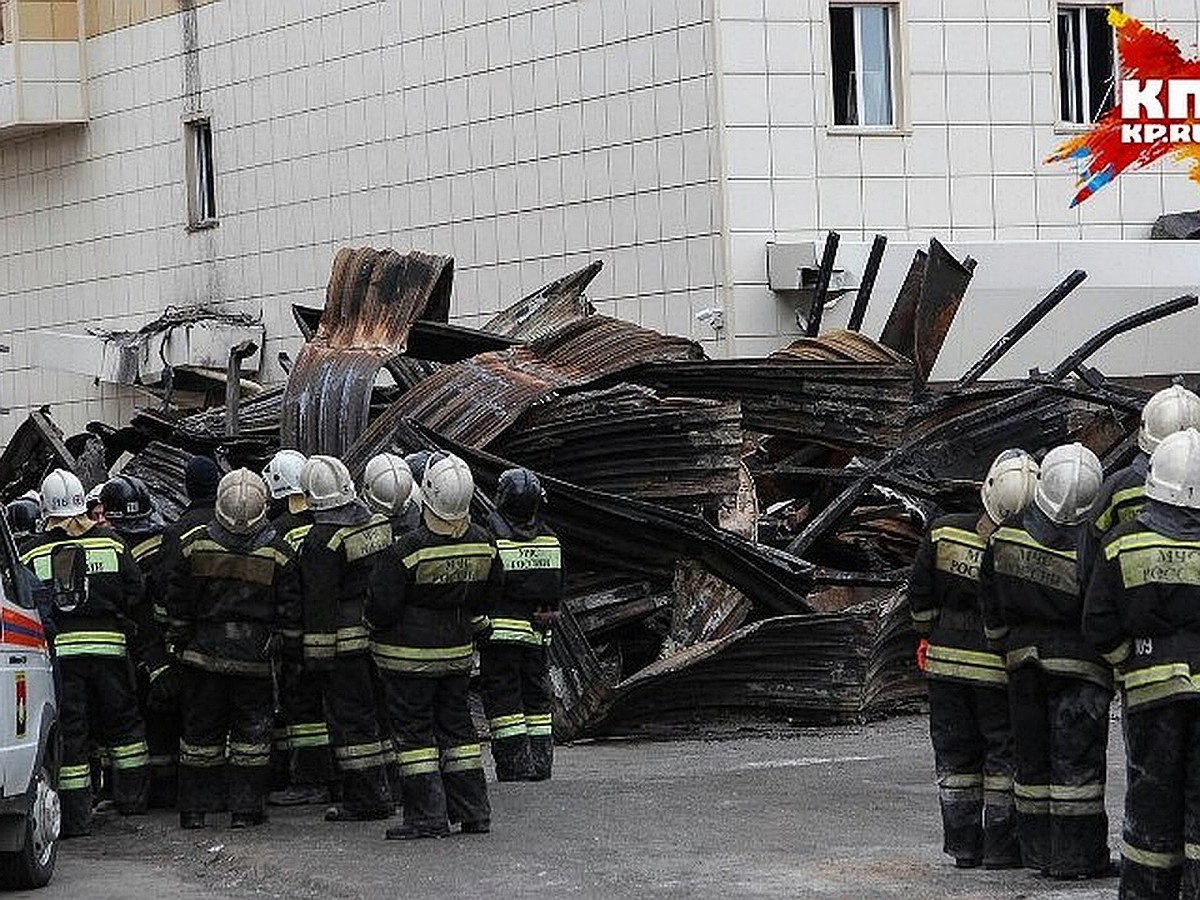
(163, 695)
(544, 620)
(922, 653)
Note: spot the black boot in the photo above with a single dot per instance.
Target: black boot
(541, 755)
(424, 807)
(512, 759)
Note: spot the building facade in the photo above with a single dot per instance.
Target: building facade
(160, 153)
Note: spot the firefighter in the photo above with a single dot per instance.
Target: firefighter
(1143, 614)
(236, 599)
(1059, 686)
(302, 756)
(201, 476)
(514, 677)
(1171, 409)
(336, 559)
(427, 598)
(968, 697)
(24, 517)
(389, 489)
(97, 687)
(129, 509)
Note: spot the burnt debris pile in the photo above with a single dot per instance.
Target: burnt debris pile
(738, 531)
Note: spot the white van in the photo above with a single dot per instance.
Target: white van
(29, 740)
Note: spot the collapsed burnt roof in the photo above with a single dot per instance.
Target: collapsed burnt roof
(737, 532)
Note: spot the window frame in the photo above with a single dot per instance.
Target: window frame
(1063, 125)
(200, 172)
(898, 59)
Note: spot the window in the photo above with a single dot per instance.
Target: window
(202, 188)
(863, 55)
(1087, 70)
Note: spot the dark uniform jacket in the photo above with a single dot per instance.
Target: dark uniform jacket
(149, 644)
(429, 594)
(943, 597)
(335, 563)
(235, 597)
(293, 527)
(195, 517)
(1032, 593)
(531, 579)
(1143, 605)
(1121, 498)
(115, 588)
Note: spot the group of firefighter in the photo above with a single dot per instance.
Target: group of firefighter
(1067, 586)
(294, 639)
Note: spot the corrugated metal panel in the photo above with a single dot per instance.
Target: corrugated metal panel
(476, 400)
(372, 300)
(548, 308)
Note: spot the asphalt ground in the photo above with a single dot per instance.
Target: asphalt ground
(848, 812)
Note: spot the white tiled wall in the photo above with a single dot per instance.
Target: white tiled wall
(670, 138)
(523, 137)
(981, 105)
(41, 82)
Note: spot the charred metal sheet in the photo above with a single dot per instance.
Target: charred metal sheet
(603, 603)
(855, 406)
(626, 440)
(841, 346)
(705, 609)
(942, 291)
(898, 332)
(476, 400)
(635, 538)
(579, 682)
(35, 448)
(372, 300)
(432, 341)
(816, 668)
(547, 309)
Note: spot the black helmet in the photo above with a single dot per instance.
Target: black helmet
(23, 515)
(519, 495)
(417, 463)
(126, 500)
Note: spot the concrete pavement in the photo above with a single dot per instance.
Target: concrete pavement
(829, 813)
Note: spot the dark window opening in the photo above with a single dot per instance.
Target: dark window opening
(861, 48)
(202, 188)
(1087, 64)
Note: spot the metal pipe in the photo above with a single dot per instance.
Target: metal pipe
(867, 286)
(1139, 318)
(1022, 328)
(823, 276)
(233, 384)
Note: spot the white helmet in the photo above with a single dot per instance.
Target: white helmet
(1170, 410)
(241, 501)
(1009, 485)
(448, 488)
(1174, 475)
(63, 495)
(327, 483)
(1068, 484)
(282, 473)
(387, 483)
